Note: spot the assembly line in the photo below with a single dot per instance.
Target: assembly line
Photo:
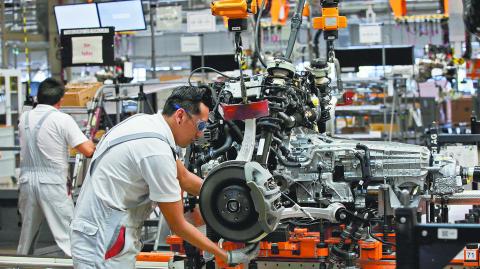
(298, 134)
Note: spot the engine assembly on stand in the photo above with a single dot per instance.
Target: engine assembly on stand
(274, 175)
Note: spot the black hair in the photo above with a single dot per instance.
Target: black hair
(188, 98)
(50, 91)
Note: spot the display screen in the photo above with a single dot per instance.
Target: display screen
(355, 57)
(221, 62)
(123, 15)
(76, 16)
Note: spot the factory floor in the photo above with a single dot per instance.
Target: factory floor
(41, 250)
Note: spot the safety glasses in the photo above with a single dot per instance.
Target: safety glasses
(201, 125)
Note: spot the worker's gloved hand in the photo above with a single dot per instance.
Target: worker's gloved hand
(243, 255)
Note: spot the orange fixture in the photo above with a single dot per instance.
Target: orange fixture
(370, 250)
(330, 20)
(399, 8)
(233, 9)
(164, 256)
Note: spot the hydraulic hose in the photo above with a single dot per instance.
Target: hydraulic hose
(216, 152)
(235, 129)
(316, 41)
(283, 161)
(364, 163)
(258, 49)
(296, 23)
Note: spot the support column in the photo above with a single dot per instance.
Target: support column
(2, 30)
(53, 39)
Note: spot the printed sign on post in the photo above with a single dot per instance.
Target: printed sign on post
(169, 18)
(87, 49)
(200, 22)
(370, 33)
(190, 44)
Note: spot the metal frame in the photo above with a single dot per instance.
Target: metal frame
(432, 245)
(8, 74)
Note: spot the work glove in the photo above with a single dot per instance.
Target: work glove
(243, 255)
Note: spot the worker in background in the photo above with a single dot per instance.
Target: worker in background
(134, 168)
(45, 134)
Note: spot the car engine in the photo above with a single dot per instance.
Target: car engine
(269, 165)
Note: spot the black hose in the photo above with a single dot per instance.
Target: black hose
(212, 91)
(288, 121)
(316, 41)
(283, 161)
(235, 129)
(217, 152)
(364, 163)
(284, 150)
(268, 125)
(258, 49)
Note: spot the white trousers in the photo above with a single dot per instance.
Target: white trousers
(39, 201)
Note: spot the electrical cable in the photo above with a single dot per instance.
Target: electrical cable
(378, 239)
(258, 49)
(207, 68)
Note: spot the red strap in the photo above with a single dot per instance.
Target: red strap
(118, 245)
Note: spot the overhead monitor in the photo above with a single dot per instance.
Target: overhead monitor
(85, 47)
(76, 16)
(354, 57)
(123, 15)
(221, 62)
(400, 55)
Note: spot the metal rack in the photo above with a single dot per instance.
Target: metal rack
(10, 87)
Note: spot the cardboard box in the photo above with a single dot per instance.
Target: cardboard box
(380, 127)
(462, 110)
(79, 94)
(355, 130)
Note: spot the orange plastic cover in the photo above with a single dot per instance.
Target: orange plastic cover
(233, 9)
(330, 20)
(163, 256)
(279, 12)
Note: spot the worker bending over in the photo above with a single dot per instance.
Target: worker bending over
(45, 134)
(135, 165)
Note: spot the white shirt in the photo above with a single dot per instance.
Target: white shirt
(58, 131)
(137, 171)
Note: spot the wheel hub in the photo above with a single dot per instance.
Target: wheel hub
(227, 206)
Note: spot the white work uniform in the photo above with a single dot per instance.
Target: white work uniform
(45, 134)
(134, 165)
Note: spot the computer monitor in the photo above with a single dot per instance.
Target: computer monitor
(221, 62)
(76, 16)
(354, 57)
(86, 47)
(359, 56)
(399, 55)
(123, 15)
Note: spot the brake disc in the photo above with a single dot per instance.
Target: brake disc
(226, 204)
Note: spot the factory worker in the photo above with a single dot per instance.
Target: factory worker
(134, 169)
(45, 134)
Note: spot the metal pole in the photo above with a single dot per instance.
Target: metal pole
(309, 32)
(385, 89)
(2, 22)
(152, 37)
(118, 103)
(202, 54)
